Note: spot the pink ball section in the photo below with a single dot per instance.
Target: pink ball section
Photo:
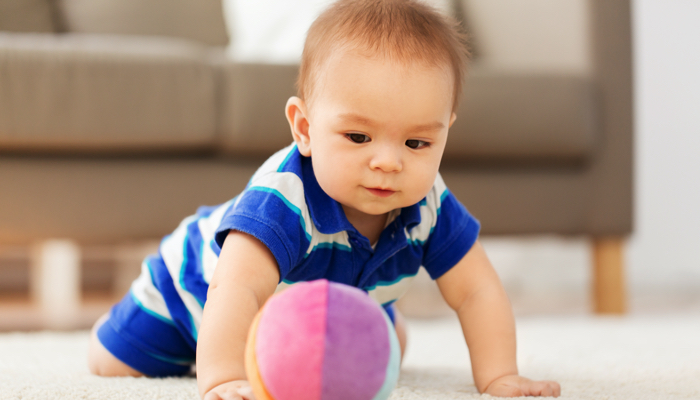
(322, 340)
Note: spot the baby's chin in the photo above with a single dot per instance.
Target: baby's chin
(367, 209)
(380, 209)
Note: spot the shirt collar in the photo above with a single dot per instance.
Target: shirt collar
(328, 215)
(410, 216)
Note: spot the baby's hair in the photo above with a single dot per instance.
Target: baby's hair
(405, 31)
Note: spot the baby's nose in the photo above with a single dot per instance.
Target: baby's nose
(387, 159)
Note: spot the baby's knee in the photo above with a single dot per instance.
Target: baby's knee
(103, 363)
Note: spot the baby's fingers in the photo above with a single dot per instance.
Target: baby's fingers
(221, 396)
(227, 395)
(233, 390)
(545, 388)
(247, 393)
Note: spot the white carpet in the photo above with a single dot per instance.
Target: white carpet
(593, 358)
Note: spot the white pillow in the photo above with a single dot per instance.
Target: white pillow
(273, 31)
(270, 31)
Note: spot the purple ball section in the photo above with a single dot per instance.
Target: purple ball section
(357, 345)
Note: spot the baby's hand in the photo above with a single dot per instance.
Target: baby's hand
(234, 390)
(516, 386)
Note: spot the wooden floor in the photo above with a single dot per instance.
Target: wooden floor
(102, 287)
(19, 313)
(106, 273)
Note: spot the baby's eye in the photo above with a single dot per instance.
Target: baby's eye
(357, 137)
(416, 144)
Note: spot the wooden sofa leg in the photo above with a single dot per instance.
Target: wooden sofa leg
(55, 282)
(609, 292)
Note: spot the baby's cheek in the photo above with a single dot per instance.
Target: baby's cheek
(420, 182)
(334, 178)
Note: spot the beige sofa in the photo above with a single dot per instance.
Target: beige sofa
(119, 118)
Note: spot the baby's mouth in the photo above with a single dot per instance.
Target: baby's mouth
(379, 192)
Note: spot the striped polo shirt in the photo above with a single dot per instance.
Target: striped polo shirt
(307, 232)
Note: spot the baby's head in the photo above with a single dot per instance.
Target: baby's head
(377, 89)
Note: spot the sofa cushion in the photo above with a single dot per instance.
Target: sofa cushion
(200, 20)
(106, 93)
(502, 116)
(532, 35)
(254, 96)
(511, 117)
(26, 16)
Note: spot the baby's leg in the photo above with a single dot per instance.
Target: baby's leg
(130, 341)
(400, 325)
(139, 337)
(101, 361)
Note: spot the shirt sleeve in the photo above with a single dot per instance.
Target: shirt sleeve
(268, 216)
(454, 234)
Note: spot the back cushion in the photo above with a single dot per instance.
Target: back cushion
(26, 16)
(532, 35)
(200, 20)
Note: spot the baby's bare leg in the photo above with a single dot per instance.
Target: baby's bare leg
(101, 361)
(400, 325)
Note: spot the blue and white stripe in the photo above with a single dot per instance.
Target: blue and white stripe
(282, 206)
(147, 296)
(173, 250)
(429, 212)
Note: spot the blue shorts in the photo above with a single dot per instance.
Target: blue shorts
(148, 344)
(151, 345)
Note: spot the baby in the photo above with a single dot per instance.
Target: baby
(357, 199)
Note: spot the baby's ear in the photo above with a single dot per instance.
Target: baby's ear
(453, 117)
(299, 123)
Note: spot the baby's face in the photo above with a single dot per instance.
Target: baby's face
(377, 131)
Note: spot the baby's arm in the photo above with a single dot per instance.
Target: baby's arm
(473, 290)
(245, 277)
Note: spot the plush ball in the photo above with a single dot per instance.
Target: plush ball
(321, 340)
